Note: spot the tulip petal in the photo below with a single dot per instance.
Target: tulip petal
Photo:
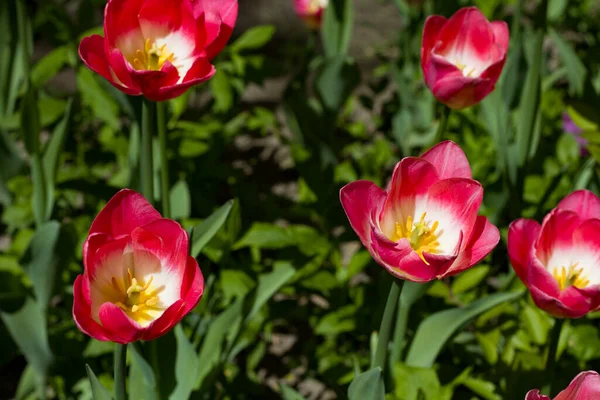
(431, 29)
(221, 16)
(501, 33)
(91, 51)
(522, 234)
(201, 71)
(362, 201)
(554, 245)
(167, 321)
(121, 25)
(535, 395)
(411, 180)
(453, 203)
(586, 385)
(484, 238)
(165, 239)
(466, 37)
(82, 311)
(123, 213)
(583, 202)
(449, 160)
(119, 325)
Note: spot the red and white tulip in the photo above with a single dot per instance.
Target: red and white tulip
(585, 386)
(139, 281)
(559, 261)
(159, 48)
(425, 226)
(311, 11)
(462, 57)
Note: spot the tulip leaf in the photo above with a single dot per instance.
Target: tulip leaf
(187, 365)
(41, 259)
(51, 158)
(253, 38)
(367, 386)
(12, 289)
(436, 329)
(98, 391)
(142, 382)
(227, 322)
(181, 202)
(50, 65)
(287, 393)
(336, 80)
(204, 232)
(576, 70)
(269, 284)
(337, 27)
(27, 327)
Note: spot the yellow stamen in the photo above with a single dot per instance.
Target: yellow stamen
(152, 57)
(571, 276)
(422, 237)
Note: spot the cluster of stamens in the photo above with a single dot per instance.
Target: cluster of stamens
(151, 57)
(137, 297)
(462, 67)
(571, 276)
(422, 237)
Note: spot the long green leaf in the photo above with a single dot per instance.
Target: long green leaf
(337, 27)
(40, 261)
(269, 284)
(367, 386)
(27, 327)
(436, 329)
(98, 391)
(186, 366)
(576, 70)
(204, 232)
(51, 157)
(142, 382)
(287, 393)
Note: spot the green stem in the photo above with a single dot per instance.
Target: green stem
(39, 190)
(386, 324)
(551, 360)
(399, 332)
(439, 135)
(164, 161)
(120, 359)
(148, 128)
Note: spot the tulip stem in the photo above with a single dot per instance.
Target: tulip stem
(439, 135)
(164, 162)
(386, 324)
(148, 128)
(120, 365)
(552, 349)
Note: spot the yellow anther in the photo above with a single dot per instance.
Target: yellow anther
(571, 276)
(152, 57)
(422, 237)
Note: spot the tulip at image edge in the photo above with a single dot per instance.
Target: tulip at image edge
(425, 226)
(558, 260)
(138, 279)
(585, 386)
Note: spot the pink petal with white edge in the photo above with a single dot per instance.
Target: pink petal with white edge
(583, 202)
(522, 235)
(82, 311)
(167, 240)
(501, 33)
(121, 22)
(556, 235)
(221, 16)
(454, 204)
(123, 213)
(361, 201)
(431, 29)
(484, 238)
(449, 160)
(411, 180)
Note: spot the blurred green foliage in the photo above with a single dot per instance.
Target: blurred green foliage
(291, 299)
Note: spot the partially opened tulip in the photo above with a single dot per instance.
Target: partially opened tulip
(425, 226)
(311, 11)
(159, 48)
(462, 57)
(585, 386)
(559, 260)
(139, 281)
